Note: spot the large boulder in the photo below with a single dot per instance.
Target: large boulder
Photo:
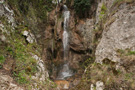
(81, 37)
(119, 35)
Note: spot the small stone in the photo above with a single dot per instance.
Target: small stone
(25, 33)
(1, 1)
(29, 39)
(62, 84)
(92, 87)
(3, 38)
(99, 85)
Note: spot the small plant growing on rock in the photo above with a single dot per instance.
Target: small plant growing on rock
(103, 11)
(131, 53)
(2, 59)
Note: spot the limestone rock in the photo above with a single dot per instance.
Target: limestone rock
(56, 1)
(107, 3)
(2, 1)
(82, 36)
(119, 35)
(92, 87)
(42, 74)
(76, 42)
(99, 85)
(6, 83)
(25, 33)
(2, 38)
(29, 37)
(86, 32)
(5, 11)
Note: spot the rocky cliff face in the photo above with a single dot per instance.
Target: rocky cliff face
(105, 36)
(101, 45)
(118, 33)
(113, 36)
(80, 38)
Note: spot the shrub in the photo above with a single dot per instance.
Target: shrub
(82, 7)
(40, 6)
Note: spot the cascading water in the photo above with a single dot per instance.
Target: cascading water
(65, 33)
(65, 71)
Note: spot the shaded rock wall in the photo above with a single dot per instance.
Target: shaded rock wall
(80, 38)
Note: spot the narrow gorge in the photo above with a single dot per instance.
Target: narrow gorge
(67, 45)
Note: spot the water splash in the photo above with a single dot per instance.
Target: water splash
(65, 72)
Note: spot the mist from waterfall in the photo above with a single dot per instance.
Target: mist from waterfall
(65, 71)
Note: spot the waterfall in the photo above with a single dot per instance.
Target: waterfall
(65, 71)
(65, 33)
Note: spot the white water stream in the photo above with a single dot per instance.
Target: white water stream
(65, 71)
(66, 14)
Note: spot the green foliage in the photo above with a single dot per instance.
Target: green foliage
(10, 51)
(121, 51)
(18, 49)
(41, 7)
(131, 53)
(128, 76)
(126, 52)
(68, 3)
(2, 59)
(82, 7)
(20, 77)
(87, 62)
(25, 64)
(103, 11)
